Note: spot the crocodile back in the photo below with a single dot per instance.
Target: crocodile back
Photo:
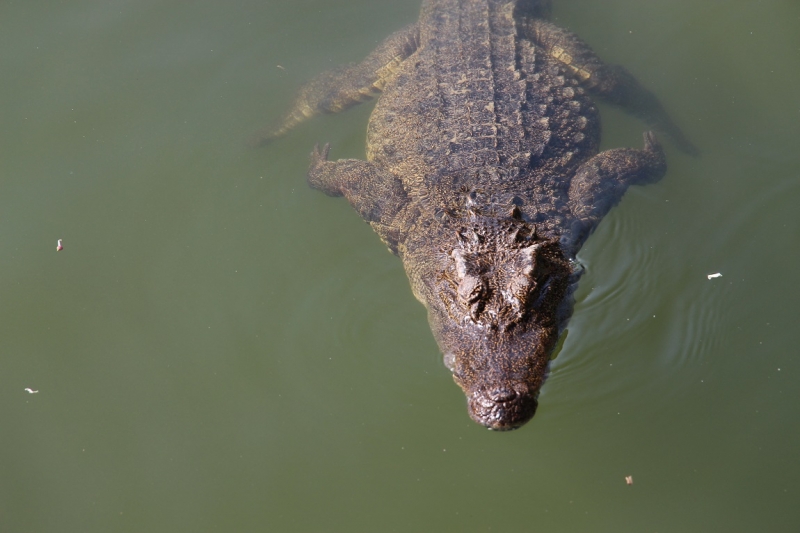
(476, 108)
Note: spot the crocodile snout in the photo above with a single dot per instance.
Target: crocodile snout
(501, 395)
(502, 408)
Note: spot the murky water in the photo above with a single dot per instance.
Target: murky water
(219, 348)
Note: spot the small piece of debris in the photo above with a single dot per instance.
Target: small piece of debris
(629, 480)
(59, 245)
(712, 276)
(280, 67)
(31, 391)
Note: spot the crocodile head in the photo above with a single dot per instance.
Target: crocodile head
(494, 310)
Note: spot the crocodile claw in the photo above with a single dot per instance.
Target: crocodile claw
(319, 156)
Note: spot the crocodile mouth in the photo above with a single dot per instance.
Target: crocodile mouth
(502, 408)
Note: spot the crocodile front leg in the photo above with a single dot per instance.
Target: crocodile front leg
(377, 195)
(346, 86)
(601, 181)
(611, 82)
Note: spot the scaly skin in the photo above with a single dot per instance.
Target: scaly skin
(483, 175)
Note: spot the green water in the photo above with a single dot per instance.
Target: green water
(219, 348)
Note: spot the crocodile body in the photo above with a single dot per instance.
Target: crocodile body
(483, 175)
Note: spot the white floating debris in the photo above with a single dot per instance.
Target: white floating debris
(31, 391)
(712, 276)
(59, 245)
(280, 67)
(629, 480)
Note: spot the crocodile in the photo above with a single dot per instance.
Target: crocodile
(483, 174)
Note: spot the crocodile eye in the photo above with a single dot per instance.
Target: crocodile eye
(522, 278)
(470, 289)
(520, 286)
(471, 292)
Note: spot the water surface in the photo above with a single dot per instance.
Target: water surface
(219, 348)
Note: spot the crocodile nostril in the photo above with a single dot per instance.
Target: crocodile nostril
(502, 395)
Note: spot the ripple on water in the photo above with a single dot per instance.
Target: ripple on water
(641, 315)
(647, 317)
